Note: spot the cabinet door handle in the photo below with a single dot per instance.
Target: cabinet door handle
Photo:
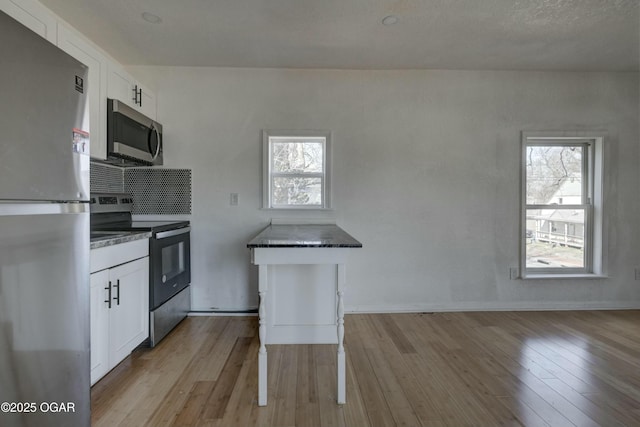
(137, 96)
(108, 288)
(117, 298)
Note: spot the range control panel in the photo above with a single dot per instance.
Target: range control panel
(110, 202)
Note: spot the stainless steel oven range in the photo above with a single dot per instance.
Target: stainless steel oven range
(169, 259)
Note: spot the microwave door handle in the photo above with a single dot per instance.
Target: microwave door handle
(158, 145)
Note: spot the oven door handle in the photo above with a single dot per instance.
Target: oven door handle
(171, 233)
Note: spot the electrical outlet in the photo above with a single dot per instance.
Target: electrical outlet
(513, 273)
(233, 199)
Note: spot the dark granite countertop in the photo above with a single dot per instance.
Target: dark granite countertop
(304, 236)
(116, 238)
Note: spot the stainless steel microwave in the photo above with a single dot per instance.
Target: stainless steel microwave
(132, 138)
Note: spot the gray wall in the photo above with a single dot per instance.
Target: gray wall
(426, 174)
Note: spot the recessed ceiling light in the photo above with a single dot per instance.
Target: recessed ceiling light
(389, 20)
(150, 17)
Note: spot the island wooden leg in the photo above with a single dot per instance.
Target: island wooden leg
(262, 332)
(342, 386)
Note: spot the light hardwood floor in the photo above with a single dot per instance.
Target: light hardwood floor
(443, 369)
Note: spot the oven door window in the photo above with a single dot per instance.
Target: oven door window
(173, 261)
(170, 270)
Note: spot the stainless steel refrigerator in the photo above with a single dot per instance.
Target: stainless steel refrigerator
(44, 233)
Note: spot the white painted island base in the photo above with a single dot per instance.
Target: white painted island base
(301, 302)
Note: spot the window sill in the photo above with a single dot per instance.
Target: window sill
(562, 276)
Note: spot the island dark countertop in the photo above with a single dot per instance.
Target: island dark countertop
(304, 236)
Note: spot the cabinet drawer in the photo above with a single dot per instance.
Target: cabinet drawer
(110, 256)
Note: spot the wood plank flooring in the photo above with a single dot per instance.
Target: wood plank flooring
(578, 368)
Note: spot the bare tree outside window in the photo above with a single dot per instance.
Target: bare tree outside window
(562, 204)
(556, 203)
(297, 170)
(291, 162)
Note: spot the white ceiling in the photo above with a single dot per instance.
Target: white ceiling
(590, 35)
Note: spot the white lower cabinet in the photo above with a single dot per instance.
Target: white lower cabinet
(119, 314)
(99, 325)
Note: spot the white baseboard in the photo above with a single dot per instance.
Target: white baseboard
(303, 221)
(494, 306)
(464, 306)
(222, 314)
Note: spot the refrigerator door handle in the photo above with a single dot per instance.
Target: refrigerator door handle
(15, 208)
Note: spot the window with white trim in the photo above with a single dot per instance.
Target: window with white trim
(296, 168)
(562, 231)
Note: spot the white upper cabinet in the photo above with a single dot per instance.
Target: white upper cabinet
(123, 87)
(32, 15)
(107, 78)
(120, 85)
(77, 46)
(148, 103)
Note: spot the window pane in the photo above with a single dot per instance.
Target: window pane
(555, 238)
(296, 191)
(297, 157)
(554, 175)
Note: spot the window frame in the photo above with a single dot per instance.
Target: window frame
(268, 174)
(592, 203)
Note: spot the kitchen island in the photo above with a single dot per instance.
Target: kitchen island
(301, 283)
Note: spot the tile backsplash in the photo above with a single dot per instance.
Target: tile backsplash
(159, 191)
(106, 178)
(155, 191)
